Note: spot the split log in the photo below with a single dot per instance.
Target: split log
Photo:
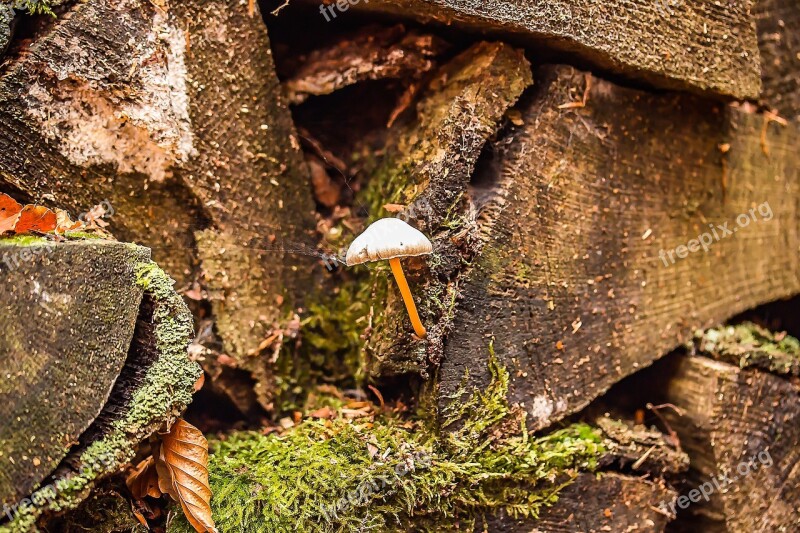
(176, 119)
(89, 372)
(428, 166)
(593, 504)
(588, 218)
(741, 429)
(675, 44)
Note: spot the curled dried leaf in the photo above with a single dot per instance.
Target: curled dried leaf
(143, 480)
(64, 223)
(183, 470)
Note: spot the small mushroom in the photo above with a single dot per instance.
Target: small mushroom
(391, 238)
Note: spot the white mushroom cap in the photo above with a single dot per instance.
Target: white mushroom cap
(387, 238)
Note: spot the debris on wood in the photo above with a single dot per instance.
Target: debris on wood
(372, 53)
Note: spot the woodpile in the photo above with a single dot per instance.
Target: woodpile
(607, 189)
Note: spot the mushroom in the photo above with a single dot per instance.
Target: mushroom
(391, 238)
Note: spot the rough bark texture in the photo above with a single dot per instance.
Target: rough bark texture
(780, 55)
(730, 416)
(687, 44)
(174, 116)
(68, 315)
(249, 173)
(573, 281)
(594, 504)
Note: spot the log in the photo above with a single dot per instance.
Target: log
(177, 120)
(68, 317)
(91, 373)
(596, 503)
(748, 345)
(582, 213)
(741, 429)
(780, 59)
(675, 44)
(436, 153)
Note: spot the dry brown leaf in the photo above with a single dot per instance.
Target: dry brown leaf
(35, 218)
(143, 481)
(64, 223)
(183, 461)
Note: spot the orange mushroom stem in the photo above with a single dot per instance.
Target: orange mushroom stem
(408, 299)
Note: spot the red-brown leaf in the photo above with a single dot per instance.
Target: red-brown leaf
(9, 213)
(35, 218)
(183, 460)
(143, 481)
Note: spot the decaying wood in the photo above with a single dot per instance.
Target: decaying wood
(68, 317)
(594, 504)
(691, 45)
(176, 118)
(741, 429)
(780, 55)
(751, 346)
(574, 282)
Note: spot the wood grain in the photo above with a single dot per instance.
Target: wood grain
(572, 283)
(742, 428)
(68, 314)
(678, 44)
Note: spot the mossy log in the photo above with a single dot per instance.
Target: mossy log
(741, 429)
(589, 216)
(427, 169)
(68, 314)
(593, 504)
(700, 46)
(95, 360)
(171, 113)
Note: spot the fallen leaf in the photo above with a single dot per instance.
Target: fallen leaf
(9, 213)
(143, 481)
(183, 461)
(8, 206)
(323, 412)
(35, 218)
(64, 223)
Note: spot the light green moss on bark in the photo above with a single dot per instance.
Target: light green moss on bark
(750, 345)
(166, 391)
(390, 474)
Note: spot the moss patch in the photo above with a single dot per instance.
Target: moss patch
(750, 345)
(384, 473)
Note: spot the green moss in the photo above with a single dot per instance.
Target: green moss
(37, 7)
(390, 474)
(166, 390)
(332, 337)
(749, 345)
(23, 240)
